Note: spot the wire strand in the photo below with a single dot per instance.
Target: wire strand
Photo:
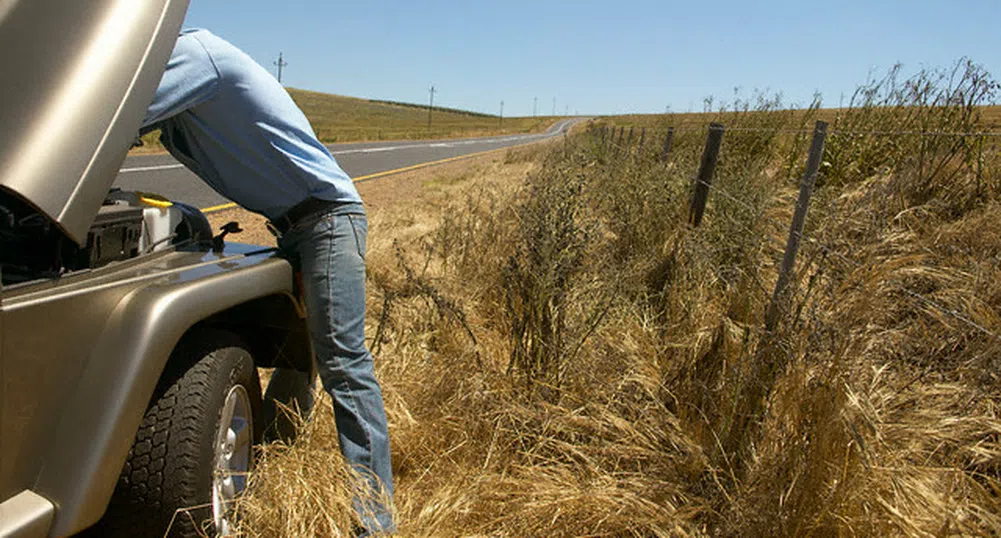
(928, 302)
(827, 249)
(967, 134)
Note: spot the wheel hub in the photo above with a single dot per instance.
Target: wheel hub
(233, 454)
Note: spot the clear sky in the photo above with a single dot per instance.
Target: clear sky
(609, 57)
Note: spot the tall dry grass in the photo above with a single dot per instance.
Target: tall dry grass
(562, 355)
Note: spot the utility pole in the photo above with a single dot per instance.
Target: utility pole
(430, 106)
(280, 63)
(535, 106)
(502, 114)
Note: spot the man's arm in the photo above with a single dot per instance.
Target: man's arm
(191, 78)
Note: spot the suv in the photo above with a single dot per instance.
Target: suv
(129, 337)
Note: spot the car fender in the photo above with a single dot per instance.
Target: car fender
(92, 441)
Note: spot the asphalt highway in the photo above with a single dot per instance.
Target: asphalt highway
(163, 175)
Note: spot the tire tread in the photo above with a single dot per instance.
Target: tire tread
(170, 462)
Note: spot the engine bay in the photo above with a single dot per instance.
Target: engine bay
(127, 225)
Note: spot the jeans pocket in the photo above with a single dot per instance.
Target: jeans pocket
(313, 223)
(359, 225)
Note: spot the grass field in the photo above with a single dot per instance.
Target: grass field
(345, 119)
(562, 355)
(658, 123)
(337, 118)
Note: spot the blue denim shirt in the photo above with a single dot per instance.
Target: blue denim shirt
(231, 123)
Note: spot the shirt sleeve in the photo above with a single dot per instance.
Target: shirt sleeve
(191, 78)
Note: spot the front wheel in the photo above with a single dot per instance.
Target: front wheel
(194, 447)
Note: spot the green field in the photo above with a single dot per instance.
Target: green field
(337, 118)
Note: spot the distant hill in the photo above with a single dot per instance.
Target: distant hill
(337, 118)
(425, 107)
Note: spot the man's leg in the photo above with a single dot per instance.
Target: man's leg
(331, 253)
(292, 389)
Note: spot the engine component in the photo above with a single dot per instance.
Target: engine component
(114, 236)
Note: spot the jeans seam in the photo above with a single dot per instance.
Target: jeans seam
(355, 404)
(330, 235)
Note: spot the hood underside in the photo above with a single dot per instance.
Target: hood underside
(79, 77)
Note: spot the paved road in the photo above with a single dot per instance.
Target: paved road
(162, 174)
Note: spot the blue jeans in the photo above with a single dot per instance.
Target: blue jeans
(329, 249)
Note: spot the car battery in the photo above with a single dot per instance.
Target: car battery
(114, 236)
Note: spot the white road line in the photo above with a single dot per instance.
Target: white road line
(436, 144)
(554, 130)
(151, 168)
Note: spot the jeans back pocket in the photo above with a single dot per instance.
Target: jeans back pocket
(359, 225)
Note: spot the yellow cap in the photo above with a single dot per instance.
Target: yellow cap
(154, 200)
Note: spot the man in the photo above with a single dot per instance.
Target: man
(230, 122)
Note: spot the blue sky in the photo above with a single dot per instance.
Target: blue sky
(605, 57)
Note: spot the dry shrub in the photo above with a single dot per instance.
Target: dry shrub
(880, 127)
(554, 291)
(569, 358)
(888, 388)
(581, 448)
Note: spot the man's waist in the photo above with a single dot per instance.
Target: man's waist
(310, 207)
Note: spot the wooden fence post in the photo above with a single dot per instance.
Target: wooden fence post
(642, 138)
(667, 144)
(798, 221)
(704, 180)
(980, 162)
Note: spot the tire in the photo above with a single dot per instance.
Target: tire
(172, 462)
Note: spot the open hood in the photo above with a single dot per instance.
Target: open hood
(77, 78)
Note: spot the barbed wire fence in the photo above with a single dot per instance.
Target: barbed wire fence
(612, 139)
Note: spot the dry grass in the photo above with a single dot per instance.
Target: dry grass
(347, 119)
(307, 491)
(563, 356)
